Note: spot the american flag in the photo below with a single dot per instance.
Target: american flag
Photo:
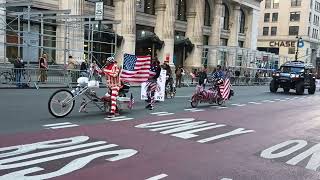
(136, 69)
(225, 89)
(131, 102)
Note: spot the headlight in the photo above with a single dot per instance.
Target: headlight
(277, 74)
(294, 75)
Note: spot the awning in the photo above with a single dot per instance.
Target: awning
(147, 39)
(183, 42)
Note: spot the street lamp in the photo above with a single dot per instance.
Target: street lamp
(299, 39)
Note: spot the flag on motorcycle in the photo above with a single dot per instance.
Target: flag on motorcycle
(131, 102)
(225, 89)
(136, 69)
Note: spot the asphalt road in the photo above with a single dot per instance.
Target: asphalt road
(256, 135)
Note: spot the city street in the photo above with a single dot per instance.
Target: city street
(257, 135)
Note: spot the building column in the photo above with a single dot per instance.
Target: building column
(2, 33)
(195, 33)
(252, 29)
(215, 34)
(125, 12)
(165, 12)
(234, 26)
(73, 34)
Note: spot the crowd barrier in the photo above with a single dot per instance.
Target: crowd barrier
(33, 77)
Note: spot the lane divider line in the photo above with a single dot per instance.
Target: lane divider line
(257, 103)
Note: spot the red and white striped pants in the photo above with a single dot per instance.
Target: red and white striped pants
(114, 95)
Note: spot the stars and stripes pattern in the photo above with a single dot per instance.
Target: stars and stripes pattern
(225, 89)
(136, 69)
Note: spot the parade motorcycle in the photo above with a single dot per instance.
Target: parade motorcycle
(211, 95)
(62, 102)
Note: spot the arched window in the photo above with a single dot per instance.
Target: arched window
(146, 6)
(207, 15)
(225, 15)
(181, 10)
(108, 2)
(242, 21)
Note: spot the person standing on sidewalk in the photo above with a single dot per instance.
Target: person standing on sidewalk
(179, 71)
(43, 70)
(203, 77)
(72, 64)
(18, 68)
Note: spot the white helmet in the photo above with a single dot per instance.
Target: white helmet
(111, 59)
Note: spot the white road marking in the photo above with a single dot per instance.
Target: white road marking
(226, 179)
(119, 118)
(288, 98)
(239, 105)
(222, 107)
(267, 101)
(282, 100)
(160, 176)
(60, 125)
(254, 103)
(277, 99)
(162, 113)
(194, 110)
(182, 96)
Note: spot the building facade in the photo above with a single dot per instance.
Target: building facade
(290, 28)
(168, 29)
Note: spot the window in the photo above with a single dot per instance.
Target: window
(146, 6)
(308, 31)
(291, 50)
(265, 31)
(108, 2)
(274, 17)
(242, 21)
(316, 20)
(317, 6)
(293, 30)
(267, 4)
(223, 42)
(310, 14)
(311, 4)
(295, 16)
(241, 44)
(266, 17)
(276, 4)
(315, 33)
(273, 31)
(225, 15)
(149, 6)
(295, 3)
(181, 10)
(207, 15)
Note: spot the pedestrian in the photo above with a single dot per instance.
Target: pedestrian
(72, 68)
(203, 77)
(152, 84)
(194, 75)
(45, 57)
(112, 74)
(83, 69)
(179, 72)
(42, 69)
(18, 68)
(247, 76)
(169, 79)
(237, 74)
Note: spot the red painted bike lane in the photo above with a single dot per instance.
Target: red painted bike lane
(235, 143)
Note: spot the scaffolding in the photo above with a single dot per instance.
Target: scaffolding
(241, 58)
(29, 33)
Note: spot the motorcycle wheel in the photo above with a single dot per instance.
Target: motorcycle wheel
(57, 103)
(194, 102)
(220, 101)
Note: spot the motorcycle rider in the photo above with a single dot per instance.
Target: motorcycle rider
(169, 80)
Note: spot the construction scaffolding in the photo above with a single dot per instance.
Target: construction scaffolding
(241, 58)
(29, 33)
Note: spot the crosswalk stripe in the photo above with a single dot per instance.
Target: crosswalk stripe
(160, 176)
(167, 114)
(57, 124)
(119, 118)
(194, 110)
(239, 105)
(66, 126)
(156, 113)
(221, 107)
(254, 103)
(267, 101)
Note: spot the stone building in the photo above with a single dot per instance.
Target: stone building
(172, 29)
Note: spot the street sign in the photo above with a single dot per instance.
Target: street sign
(99, 11)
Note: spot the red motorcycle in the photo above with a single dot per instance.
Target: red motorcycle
(211, 95)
